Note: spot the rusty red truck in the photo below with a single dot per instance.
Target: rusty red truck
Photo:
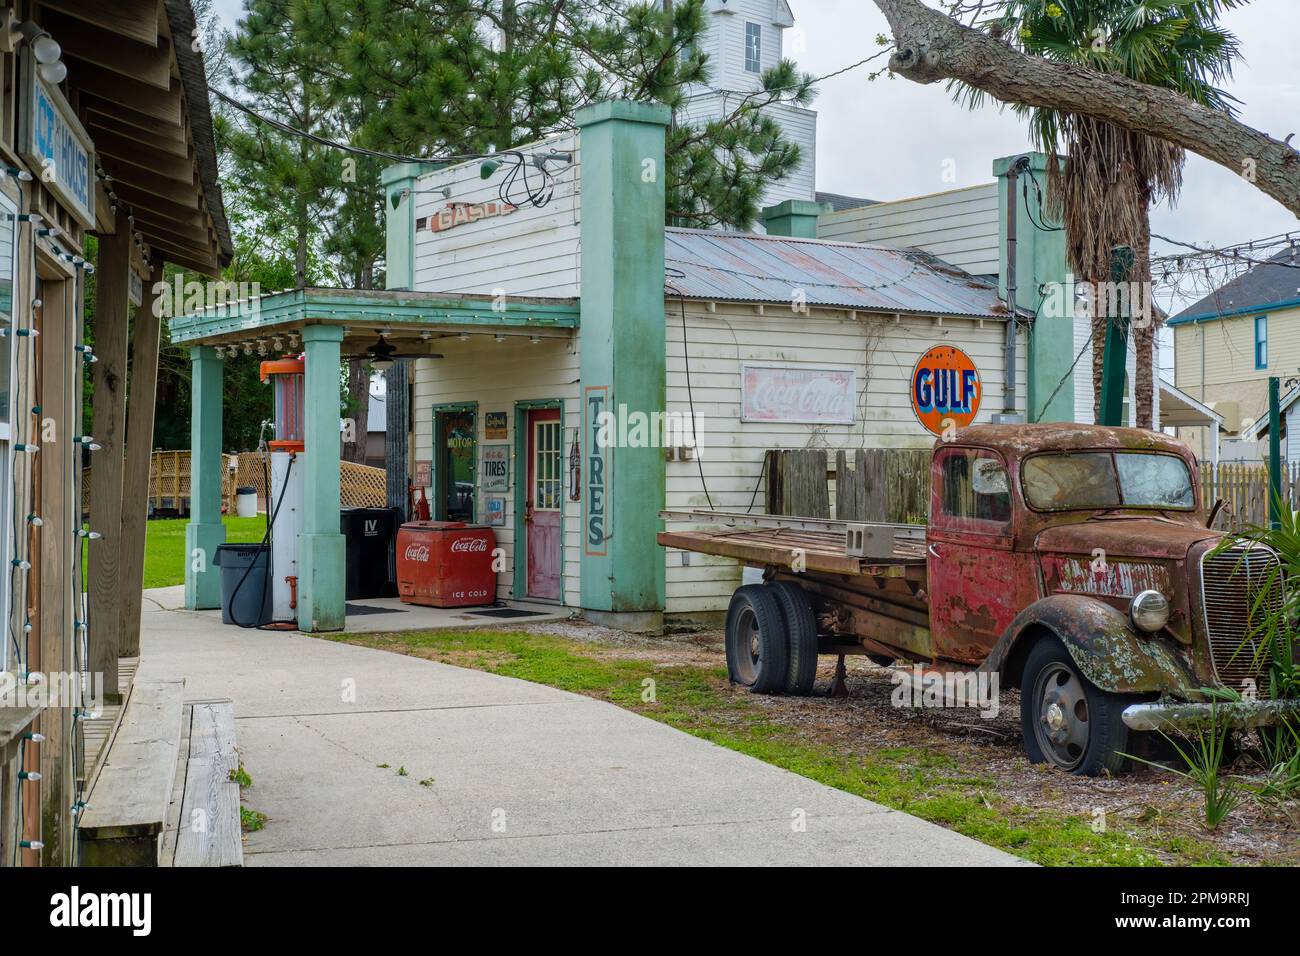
(1075, 562)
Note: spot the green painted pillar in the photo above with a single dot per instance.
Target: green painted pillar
(1043, 285)
(399, 210)
(623, 347)
(1114, 364)
(1274, 454)
(796, 218)
(205, 530)
(321, 581)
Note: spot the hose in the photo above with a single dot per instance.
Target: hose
(271, 515)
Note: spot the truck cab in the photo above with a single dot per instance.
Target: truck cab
(1077, 562)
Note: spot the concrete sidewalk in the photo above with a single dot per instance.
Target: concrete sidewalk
(514, 773)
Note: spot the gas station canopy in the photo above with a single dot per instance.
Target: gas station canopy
(412, 322)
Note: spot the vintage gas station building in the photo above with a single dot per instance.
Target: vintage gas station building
(537, 304)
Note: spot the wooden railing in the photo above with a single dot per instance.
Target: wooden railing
(360, 486)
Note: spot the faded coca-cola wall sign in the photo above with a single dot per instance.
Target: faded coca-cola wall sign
(798, 394)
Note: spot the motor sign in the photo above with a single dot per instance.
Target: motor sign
(946, 389)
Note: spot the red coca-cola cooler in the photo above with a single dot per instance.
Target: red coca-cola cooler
(445, 564)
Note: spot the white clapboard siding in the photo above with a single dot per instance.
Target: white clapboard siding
(496, 376)
(882, 353)
(724, 40)
(959, 226)
(532, 251)
(799, 126)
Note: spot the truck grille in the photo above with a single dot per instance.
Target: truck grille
(1231, 582)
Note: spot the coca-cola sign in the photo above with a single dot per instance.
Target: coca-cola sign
(469, 546)
(417, 552)
(797, 394)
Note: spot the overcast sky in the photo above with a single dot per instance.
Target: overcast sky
(890, 139)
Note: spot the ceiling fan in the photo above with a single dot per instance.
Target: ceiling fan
(382, 354)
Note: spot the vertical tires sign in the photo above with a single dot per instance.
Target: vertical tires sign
(946, 390)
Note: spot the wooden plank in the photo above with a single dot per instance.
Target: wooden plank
(209, 833)
(146, 181)
(163, 105)
(134, 19)
(139, 447)
(142, 62)
(60, 375)
(757, 552)
(131, 792)
(209, 828)
(150, 132)
(108, 414)
(140, 148)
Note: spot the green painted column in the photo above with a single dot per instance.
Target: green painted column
(1043, 285)
(321, 581)
(399, 210)
(796, 218)
(205, 530)
(623, 345)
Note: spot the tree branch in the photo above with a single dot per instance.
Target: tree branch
(931, 46)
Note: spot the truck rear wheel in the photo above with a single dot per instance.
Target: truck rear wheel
(1066, 720)
(756, 642)
(801, 631)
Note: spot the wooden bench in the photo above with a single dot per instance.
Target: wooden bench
(208, 829)
(128, 798)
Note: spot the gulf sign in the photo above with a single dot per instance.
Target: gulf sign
(946, 389)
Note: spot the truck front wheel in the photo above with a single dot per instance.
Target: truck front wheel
(1065, 719)
(756, 642)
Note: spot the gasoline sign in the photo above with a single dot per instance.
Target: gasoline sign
(946, 389)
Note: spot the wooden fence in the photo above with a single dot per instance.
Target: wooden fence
(859, 484)
(893, 485)
(360, 486)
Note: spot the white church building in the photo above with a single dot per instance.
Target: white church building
(743, 38)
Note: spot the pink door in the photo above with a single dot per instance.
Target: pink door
(544, 498)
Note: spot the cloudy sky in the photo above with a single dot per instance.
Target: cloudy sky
(891, 138)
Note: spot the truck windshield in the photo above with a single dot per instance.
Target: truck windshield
(1107, 480)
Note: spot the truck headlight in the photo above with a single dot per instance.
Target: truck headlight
(1149, 611)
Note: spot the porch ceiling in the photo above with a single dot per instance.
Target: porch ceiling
(413, 321)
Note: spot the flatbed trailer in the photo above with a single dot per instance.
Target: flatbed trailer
(865, 582)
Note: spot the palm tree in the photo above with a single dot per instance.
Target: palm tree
(1103, 179)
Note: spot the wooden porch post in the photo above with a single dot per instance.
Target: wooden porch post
(60, 400)
(139, 433)
(108, 417)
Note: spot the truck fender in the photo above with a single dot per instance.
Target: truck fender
(1100, 640)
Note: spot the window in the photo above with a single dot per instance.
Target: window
(1261, 341)
(975, 487)
(753, 47)
(1103, 480)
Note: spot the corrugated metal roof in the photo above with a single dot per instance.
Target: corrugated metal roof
(739, 267)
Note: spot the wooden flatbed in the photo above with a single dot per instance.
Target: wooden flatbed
(802, 544)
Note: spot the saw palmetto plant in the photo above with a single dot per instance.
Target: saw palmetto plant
(1103, 179)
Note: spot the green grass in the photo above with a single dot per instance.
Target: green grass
(164, 548)
(698, 700)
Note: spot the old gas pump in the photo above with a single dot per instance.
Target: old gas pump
(285, 501)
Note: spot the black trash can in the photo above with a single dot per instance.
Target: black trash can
(370, 534)
(245, 583)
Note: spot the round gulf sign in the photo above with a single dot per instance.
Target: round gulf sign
(945, 389)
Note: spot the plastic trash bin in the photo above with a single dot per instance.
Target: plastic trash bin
(249, 564)
(369, 534)
(246, 501)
